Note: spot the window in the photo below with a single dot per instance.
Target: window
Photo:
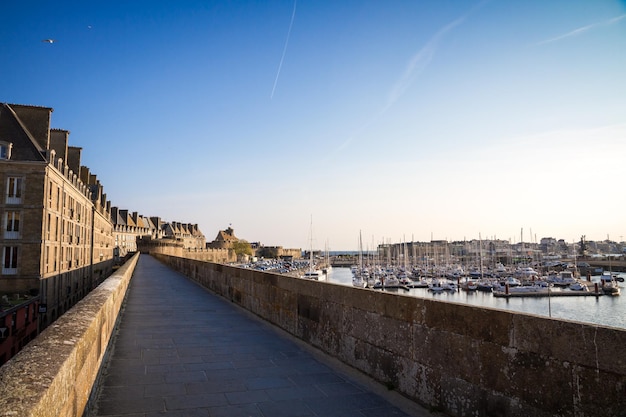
(9, 260)
(14, 190)
(5, 150)
(12, 221)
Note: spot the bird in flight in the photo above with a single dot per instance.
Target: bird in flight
(48, 40)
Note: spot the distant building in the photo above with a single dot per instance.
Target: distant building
(224, 239)
(128, 227)
(133, 232)
(188, 234)
(57, 237)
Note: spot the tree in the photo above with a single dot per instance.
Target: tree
(242, 247)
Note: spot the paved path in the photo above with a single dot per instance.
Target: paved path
(183, 351)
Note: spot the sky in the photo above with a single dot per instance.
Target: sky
(311, 123)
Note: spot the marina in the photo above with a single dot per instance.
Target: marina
(557, 291)
(561, 303)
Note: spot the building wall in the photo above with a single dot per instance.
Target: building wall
(175, 248)
(25, 237)
(56, 239)
(65, 236)
(459, 359)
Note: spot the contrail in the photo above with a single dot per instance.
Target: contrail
(583, 29)
(293, 15)
(419, 62)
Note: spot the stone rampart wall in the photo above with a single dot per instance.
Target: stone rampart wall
(173, 249)
(54, 374)
(459, 359)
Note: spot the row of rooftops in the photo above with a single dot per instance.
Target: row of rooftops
(26, 131)
(26, 136)
(133, 222)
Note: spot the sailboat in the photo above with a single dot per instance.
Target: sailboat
(313, 273)
(609, 283)
(327, 266)
(359, 278)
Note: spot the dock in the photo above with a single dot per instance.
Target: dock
(547, 294)
(593, 289)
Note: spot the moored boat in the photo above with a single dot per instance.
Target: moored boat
(578, 286)
(563, 279)
(469, 286)
(314, 274)
(609, 284)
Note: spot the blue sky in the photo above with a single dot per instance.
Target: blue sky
(399, 120)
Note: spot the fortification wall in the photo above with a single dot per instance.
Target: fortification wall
(171, 248)
(54, 374)
(459, 359)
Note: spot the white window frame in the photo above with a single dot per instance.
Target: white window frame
(9, 260)
(14, 190)
(5, 150)
(12, 224)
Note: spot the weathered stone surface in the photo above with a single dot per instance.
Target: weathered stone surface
(53, 375)
(460, 359)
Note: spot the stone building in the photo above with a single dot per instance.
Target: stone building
(128, 227)
(57, 237)
(224, 239)
(188, 234)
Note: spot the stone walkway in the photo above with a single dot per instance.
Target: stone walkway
(183, 351)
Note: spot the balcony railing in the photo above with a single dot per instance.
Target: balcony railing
(11, 234)
(14, 200)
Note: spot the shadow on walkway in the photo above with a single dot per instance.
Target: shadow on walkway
(183, 351)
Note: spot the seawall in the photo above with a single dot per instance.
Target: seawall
(54, 374)
(459, 359)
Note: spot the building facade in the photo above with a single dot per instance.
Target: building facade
(128, 227)
(57, 237)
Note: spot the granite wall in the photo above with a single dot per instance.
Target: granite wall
(54, 374)
(458, 359)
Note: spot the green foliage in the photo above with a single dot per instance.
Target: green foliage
(242, 247)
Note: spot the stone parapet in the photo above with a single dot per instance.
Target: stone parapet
(455, 358)
(172, 247)
(54, 374)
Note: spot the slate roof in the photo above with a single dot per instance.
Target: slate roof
(14, 130)
(227, 235)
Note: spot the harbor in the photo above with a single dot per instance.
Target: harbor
(584, 290)
(586, 307)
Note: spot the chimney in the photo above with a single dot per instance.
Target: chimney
(37, 121)
(73, 159)
(58, 142)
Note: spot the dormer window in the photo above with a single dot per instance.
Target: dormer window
(5, 150)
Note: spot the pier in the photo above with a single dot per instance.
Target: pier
(345, 261)
(548, 294)
(612, 265)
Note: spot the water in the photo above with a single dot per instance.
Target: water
(604, 310)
